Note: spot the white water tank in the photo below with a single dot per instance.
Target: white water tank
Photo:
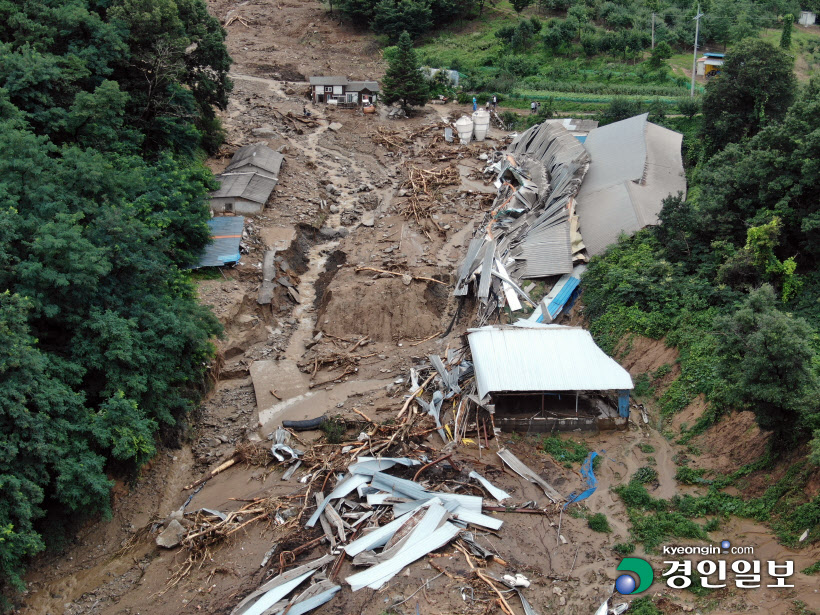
(481, 120)
(464, 128)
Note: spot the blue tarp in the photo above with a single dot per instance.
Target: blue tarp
(226, 233)
(557, 305)
(589, 475)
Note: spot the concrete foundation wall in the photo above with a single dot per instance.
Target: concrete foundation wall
(240, 206)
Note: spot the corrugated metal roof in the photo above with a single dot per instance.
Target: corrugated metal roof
(320, 80)
(226, 233)
(635, 165)
(260, 156)
(547, 252)
(542, 358)
(618, 153)
(605, 214)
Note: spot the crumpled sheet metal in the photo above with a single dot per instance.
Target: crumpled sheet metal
(281, 441)
(530, 228)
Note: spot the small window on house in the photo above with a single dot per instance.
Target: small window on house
(328, 88)
(228, 208)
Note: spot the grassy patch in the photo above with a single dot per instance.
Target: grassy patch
(654, 529)
(205, 273)
(813, 569)
(691, 476)
(566, 452)
(643, 386)
(644, 606)
(646, 448)
(783, 506)
(334, 430)
(599, 523)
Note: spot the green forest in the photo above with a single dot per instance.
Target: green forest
(106, 112)
(730, 278)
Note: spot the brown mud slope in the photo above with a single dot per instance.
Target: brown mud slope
(342, 343)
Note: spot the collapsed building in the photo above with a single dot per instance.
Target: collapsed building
(248, 181)
(559, 202)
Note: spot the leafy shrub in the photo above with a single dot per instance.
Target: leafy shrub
(512, 120)
(618, 109)
(635, 495)
(599, 523)
(643, 387)
(644, 606)
(644, 475)
(691, 476)
(689, 107)
(624, 548)
(662, 371)
(334, 430)
(656, 528)
(712, 525)
(646, 448)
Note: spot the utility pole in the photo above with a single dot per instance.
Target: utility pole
(653, 30)
(695, 53)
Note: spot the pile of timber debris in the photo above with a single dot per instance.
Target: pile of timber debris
(375, 511)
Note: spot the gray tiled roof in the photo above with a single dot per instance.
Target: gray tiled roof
(247, 185)
(358, 86)
(260, 156)
(328, 80)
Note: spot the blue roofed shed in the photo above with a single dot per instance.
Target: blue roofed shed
(226, 233)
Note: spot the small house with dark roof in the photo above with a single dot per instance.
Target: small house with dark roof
(247, 182)
(341, 91)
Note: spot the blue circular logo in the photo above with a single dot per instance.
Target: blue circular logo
(625, 584)
(725, 544)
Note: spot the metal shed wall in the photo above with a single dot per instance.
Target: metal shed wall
(226, 233)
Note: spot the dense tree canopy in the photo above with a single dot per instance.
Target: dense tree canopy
(755, 87)
(766, 360)
(104, 107)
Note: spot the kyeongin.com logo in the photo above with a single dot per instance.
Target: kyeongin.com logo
(712, 572)
(642, 579)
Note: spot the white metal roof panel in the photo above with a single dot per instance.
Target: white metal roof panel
(510, 359)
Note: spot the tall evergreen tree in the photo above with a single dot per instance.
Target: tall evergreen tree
(404, 81)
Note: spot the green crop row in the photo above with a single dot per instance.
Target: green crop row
(594, 87)
(584, 98)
